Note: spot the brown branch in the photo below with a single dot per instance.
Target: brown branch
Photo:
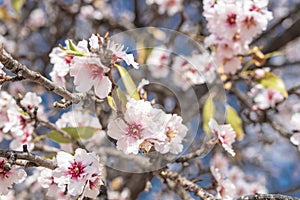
(186, 184)
(33, 159)
(267, 197)
(203, 150)
(22, 70)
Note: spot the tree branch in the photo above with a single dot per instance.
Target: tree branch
(267, 197)
(33, 159)
(186, 184)
(22, 71)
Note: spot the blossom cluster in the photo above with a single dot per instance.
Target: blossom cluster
(233, 25)
(232, 182)
(88, 63)
(15, 123)
(144, 127)
(78, 175)
(185, 71)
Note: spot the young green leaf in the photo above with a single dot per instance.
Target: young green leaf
(128, 82)
(208, 113)
(17, 5)
(271, 81)
(111, 102)
(76, 133)
(235, 121)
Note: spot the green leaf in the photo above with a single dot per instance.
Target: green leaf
(208, 113)
(17, 5)
(111, 102)
(72, 46)
(75, 53)
(235, 121)
(128, 82)
(77, 133)
(272, 81)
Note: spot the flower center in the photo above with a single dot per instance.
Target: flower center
(249, 22)
(68, 59)
(170, 134)
(76, 170)
(135, 130)
(231, 19)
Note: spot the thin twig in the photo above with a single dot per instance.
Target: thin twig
(186, 184)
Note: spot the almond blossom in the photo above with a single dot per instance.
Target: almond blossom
(81, 173)
(193, 70)
(9, 177)
(89, 72)
(61, 64)
(116, 52)
(19, 123)
(175, 131)
(135, 128)
(225, 135)
(265, 98)
(46, 180)
(158, 62)
(233, 25)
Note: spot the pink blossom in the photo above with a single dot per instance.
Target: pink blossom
(61, 61)
(135, 128)
(118, 51)
(89, 72)
(267, 98)
(158, 62)
(193, 70)
(175, 131)
(225, 134)
(46, 180)
(81, 173)
(8, 177)
(225, 188)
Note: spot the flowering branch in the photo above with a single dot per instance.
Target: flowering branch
(186, 184)
(34, 160)
(22, 71)
(267, 197)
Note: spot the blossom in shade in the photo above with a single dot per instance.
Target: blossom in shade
(9, 176)
(225, 135)
(225, 188)
(46, 180)
(158, 62)
(193, 70)
(81, 173)
(265, 98)
(175, 131)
